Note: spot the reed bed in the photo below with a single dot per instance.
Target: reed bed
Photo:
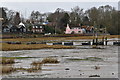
(50, 60)
(10, 47)
(7, 60)
(36, 65)
(10, 69)
(58, 38)
(31, 69)
(7, 69)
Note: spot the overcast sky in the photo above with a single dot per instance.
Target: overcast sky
(27, 7)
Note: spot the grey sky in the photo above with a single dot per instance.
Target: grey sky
(27, 7)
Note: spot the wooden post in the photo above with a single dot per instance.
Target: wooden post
(106, 41)
(93, 42)
(96, 41)
(103, 40)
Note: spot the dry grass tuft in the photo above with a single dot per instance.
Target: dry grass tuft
(50, 60)
(7, 69)
(9, 47)
(34, 68)
(44, 61)
(35, 63)
(31, 69)
(7, 61)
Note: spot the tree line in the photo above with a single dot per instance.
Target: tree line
(102, 17)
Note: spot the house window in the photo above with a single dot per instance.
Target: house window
(33, 30)
(33, 26)
(41, 30)
(36, 26)
(40, 26)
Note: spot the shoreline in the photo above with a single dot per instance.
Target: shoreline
(23, 46)
(59, 38)
(10, 47)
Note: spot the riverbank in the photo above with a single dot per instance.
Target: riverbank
(73, 63)
(12, 47)
(25, 46)
(58, 38)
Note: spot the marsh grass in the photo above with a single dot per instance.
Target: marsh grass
(7, 61)
(35, 63)
(10, 47)
(7, 69)
(50, 60)
(16, 57)
(35, 66)
(44, 61)
(58, 38)
(31, 69)
(94, 59)
(10, 69)
(86, 59)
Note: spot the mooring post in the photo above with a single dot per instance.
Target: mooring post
(103, 41)
(93, 42)
(106, 41)
(96, 41)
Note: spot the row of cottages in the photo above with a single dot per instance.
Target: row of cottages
(36, 28)
(79, 30)
(18, 28)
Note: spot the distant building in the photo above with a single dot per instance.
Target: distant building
(88, 29)
(37, 28)
(79, 30)
(18, 28)
(73, 30)
(22, 27)
(14, 29)
(5, 29)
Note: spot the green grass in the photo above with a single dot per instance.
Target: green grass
(17, 57)
(7, 61)
(86, 59)
(94, 58)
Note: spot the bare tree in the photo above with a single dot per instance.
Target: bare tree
(17, 18)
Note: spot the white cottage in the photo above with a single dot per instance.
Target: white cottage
(22, 27)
